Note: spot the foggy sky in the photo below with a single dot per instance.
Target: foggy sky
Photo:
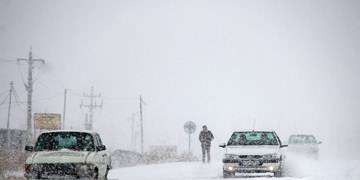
(289, 66)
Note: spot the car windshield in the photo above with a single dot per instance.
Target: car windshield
(54, 141)
(302, 139)
(253, 138)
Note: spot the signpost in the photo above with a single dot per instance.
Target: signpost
(189, 128)
(47, 121)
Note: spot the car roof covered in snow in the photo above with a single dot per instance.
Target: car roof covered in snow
(254, 131)
(302, 135)
(70, 130)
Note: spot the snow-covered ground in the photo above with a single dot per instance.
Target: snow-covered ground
(296, 168)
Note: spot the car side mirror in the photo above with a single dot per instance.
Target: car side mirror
(284, 145)
(101, 148)
(29, 148)
(222, 145)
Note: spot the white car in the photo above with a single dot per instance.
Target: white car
(67, 153)
(304, 144)
(250, 152)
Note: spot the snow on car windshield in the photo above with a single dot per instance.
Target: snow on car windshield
(65, 140)
(253, 138)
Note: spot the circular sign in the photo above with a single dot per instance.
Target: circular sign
(189, 127)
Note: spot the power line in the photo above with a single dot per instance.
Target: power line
(38, 99)
(2, 93)
(17, 97)
(18, 101)
(75, 93)
(4, 100)
(4, 60)
(55, 77)
(21, 73)
(42, 99)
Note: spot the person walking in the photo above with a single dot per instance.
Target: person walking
(205, 138)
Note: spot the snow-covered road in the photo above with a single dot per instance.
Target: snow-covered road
(296, 168)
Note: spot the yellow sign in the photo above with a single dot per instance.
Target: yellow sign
(48, 121)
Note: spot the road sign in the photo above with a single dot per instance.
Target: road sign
(47, 121)
(189, 127)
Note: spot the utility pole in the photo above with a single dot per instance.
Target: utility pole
(29, 89)
(87, 124)
(133, 133)
(189, 145)
(8, 116)
(64, 109)
(141, 102)
(91, 106)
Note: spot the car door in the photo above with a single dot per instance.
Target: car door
(96, 157)
(282, 151)
(102, 155)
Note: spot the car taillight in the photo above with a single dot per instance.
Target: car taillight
(27, 168)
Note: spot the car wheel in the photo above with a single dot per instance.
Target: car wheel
(95, 174)
(227, 174)
(106, 172)
(38, 176)
(278, 174)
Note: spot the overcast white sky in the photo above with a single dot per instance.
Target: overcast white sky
(291, 66)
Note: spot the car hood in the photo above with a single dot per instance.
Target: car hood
(252, 150)
(62, 156)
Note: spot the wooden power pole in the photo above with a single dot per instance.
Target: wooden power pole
(8, 115)
(29, 89)
(141, 102)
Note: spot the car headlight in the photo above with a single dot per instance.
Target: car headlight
(82, 167)
(230, 168)
(271, 168)
(36, 167)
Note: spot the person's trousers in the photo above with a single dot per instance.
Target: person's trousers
(205, 151)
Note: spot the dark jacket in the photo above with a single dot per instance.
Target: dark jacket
(205, 137)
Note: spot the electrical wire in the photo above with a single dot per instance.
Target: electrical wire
(4, 60)
(17, 96)
(18, 101)
(44, 85)
(75, 93)
(21, 73)
(2, 93)
(41, 99)
(55, 77)
(4, 100)
(19, 105)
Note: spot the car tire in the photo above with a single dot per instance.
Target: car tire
(106, 172)
(95, 174)
(278, 174)
(227, 174)
(38, 176)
